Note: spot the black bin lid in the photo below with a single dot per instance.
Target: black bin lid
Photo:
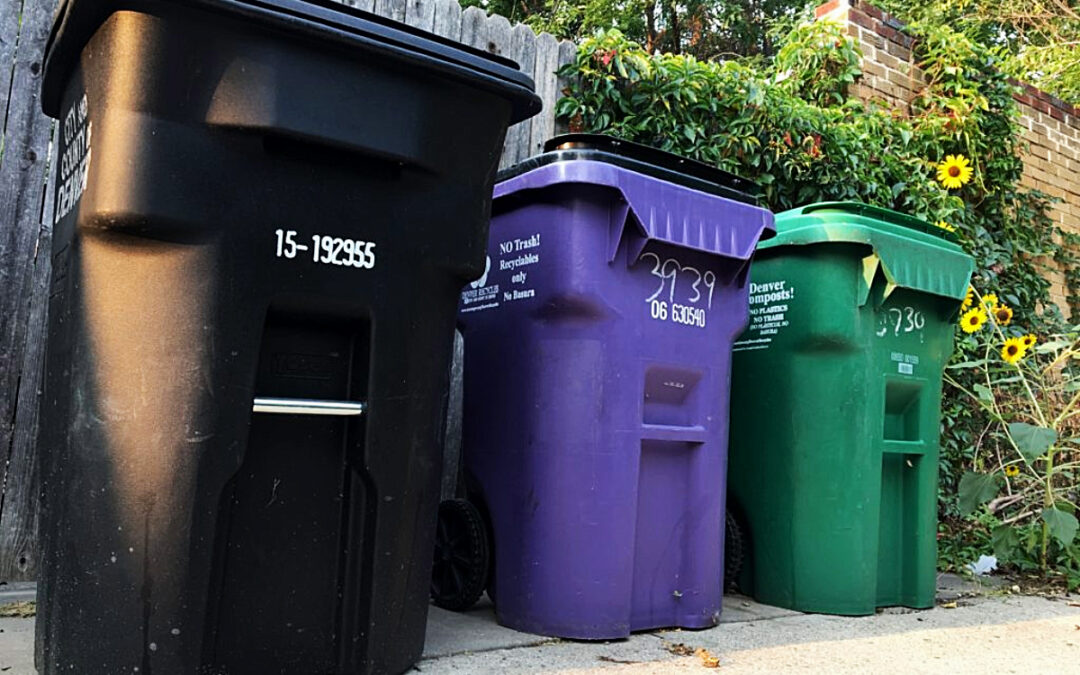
(76, 21)
(643, 159)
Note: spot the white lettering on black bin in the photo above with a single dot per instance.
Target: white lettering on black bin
(326, 249)
(74, 167)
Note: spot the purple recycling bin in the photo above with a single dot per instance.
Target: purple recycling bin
(597, 375)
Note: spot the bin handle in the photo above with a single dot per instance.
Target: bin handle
(307, 406)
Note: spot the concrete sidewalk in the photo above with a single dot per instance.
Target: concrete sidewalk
(988, 631)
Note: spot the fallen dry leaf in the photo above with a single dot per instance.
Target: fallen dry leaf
(679, 649)
(707, 659)
(612, 659)
(21, 610)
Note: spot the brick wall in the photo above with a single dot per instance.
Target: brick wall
(1051, 126)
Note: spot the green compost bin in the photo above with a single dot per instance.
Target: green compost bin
(836, 404)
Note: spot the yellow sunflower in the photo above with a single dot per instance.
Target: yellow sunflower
(1012, 471)
(1002, 314)
(1029, 341)
(954, 172)
(968, 299)
(973, 320)
(989, 300)
(945, 226)
(1013, 350)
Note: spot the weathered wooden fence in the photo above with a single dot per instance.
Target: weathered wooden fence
(540, 55)
(25, 241)
(25, 217)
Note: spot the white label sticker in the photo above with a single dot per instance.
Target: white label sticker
(510, 277)
(479, 295)
(905, 363)
(769, 305)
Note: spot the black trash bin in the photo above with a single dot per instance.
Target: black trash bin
(266, 210)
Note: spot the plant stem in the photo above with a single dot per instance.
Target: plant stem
(1048, 502)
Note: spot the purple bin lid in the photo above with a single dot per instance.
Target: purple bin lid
(671, 198)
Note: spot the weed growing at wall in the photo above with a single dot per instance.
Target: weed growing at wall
(790, 125)
(1022, 485)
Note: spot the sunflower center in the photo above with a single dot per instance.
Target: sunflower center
(1011, 349)
(954, 171)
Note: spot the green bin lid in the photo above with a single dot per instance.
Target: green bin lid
(911, 252)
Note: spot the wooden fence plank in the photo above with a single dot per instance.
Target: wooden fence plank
(473, 21)
(24, 273)
(448, 19)
(391, 9)
(547, 60)
(366, 5)
(421, 14)
(9, 37)
(498, 31)
(522, 50)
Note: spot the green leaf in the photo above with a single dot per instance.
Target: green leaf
(1032, 441)
(1062, 525)
(984, 392)
(1005, 540)
(976, 489)
(968, 364)
(1051, 346)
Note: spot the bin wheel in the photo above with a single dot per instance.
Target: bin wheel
(734, 550)
(460, 569)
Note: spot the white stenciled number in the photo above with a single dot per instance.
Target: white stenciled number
(710, 280)
(658, 309)
(902, 320)
(656, 273)
(909, 314)
(668, 271)
(694, 286)
(286, 243)
(673, 275)
(328, 250)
